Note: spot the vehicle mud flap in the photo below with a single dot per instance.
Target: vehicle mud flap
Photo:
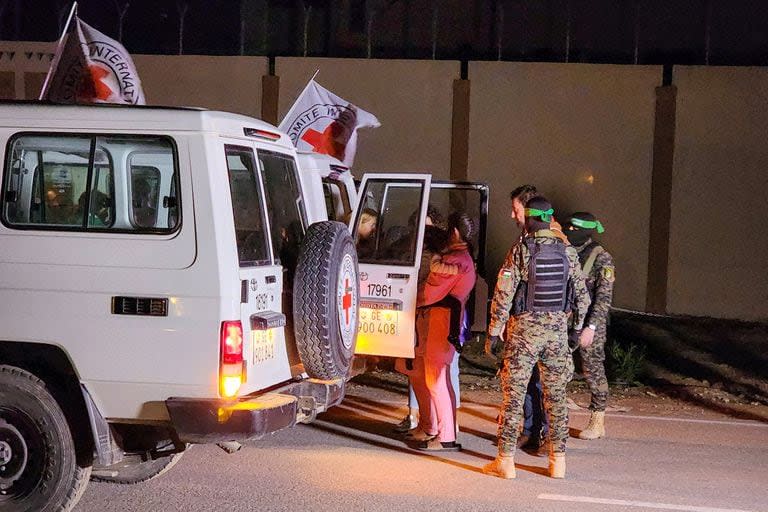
(107, 451)
(325, 301)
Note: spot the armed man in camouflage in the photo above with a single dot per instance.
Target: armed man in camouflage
(600, 273)
(540, 281)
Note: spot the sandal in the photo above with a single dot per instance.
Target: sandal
(433, 445)
(417, 434)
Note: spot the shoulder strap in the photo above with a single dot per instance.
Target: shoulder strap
(590, 262)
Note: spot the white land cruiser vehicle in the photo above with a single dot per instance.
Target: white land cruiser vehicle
(170, 276)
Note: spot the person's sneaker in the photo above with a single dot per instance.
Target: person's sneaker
(523, 440)
(408, 423)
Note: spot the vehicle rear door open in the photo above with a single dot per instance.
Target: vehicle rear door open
(388, 228)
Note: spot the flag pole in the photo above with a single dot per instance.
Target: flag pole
(57, 54)
(290, 110)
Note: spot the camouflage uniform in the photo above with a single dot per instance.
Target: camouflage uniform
(534, 337)
(599, 279)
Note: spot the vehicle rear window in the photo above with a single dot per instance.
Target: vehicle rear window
(387, 224)
(284, 202)
(247, 207)
(91, 182)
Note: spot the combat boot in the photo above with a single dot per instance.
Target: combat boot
(596, 427)
(503, 467)
(557, 464)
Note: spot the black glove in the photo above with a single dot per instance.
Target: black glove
(492, 343)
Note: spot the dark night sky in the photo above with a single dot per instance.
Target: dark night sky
(666, 31)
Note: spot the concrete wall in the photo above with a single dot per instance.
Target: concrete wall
(412, 99)
(232, 84)
(719, 239)
(583, 134)
(29, 63)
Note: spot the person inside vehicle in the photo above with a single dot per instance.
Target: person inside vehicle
(366, 233)
(144, 212)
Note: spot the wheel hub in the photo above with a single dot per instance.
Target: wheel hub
(13, 454)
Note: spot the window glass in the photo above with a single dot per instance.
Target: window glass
(336, 200)
(59, 181)
(387, 223)
(247, 207)
(284, 205)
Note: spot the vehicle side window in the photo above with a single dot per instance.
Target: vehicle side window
(285, 207)
(387, 224)
(336, 200)
(247, 207)
(83, 183)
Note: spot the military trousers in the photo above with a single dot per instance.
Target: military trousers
(536, 338)
(593, 365)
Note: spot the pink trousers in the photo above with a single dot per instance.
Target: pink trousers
(431, 376)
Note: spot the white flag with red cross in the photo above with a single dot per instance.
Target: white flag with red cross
(89, 67)
(322, 122)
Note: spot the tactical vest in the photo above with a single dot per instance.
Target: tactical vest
(547, 289)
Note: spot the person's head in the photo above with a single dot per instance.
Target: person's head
(461, 227)
(435, 239)
(538, 214)
(434, 217)
(367, 223)
(519, 197)
(581, 226)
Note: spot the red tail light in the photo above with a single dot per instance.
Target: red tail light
(231, 368)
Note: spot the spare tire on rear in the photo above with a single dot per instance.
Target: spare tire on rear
(325, 300)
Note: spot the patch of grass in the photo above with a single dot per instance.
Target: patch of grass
(625, 363)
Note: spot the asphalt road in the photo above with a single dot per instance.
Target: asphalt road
(349, 461)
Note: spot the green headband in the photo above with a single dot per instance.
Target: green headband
(588, 224)
(545, 215)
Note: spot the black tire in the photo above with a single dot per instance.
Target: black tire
(36, 448)
(326, 295)
(134, 470)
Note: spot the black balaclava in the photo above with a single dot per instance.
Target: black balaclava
(538, 214)
(579, 235)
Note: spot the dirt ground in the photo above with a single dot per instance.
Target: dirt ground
(693, 368)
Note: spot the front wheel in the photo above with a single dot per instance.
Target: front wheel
(38, 467)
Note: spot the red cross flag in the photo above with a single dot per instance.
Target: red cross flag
(89, 67)
(322, 122)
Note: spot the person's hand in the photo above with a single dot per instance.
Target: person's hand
(586, 337)
(491, 342)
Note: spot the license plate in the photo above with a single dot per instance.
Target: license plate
(263, 345)
(379, 321)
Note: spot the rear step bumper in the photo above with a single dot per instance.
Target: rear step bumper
(199, 420)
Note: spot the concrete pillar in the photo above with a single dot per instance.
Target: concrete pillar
(460, 131)
(661, 199)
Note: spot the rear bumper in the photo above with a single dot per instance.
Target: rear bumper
(199, 420)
